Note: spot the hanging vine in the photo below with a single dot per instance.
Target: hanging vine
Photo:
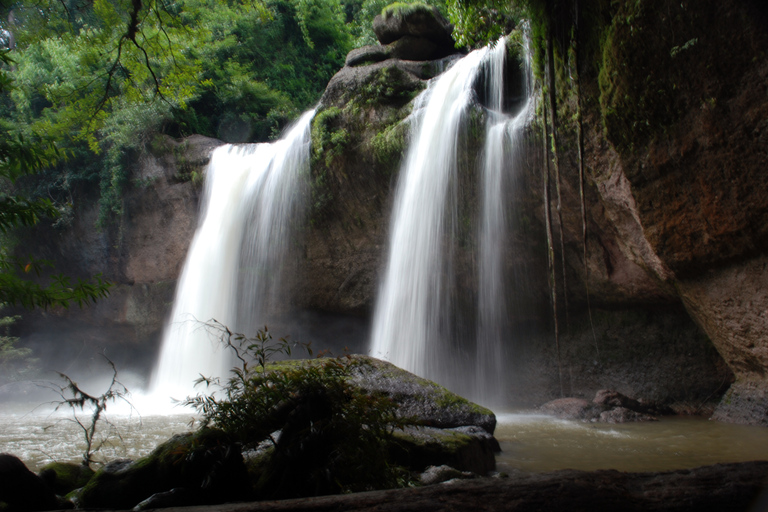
(576, 81)
(551, 89)
(550, 247)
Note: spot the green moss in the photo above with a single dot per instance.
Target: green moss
(192, 460)
(329, 139)
(403, 9)
(389, 145)
(643, 81)
(69, 476)
(391, 85)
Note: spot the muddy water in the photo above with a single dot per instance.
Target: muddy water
(39, 437)
(530, 442)
(537, 443)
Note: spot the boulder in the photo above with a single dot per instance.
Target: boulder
(417, 20)
(623, 415)
(367, 55)
(205, 463)
(608, 406)
(439, 474)
(572, 409)
(423, 402)
(65, 477)
(611, 398)
(22, 490)
(466, 449)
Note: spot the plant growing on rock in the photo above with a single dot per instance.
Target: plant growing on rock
(312, 431)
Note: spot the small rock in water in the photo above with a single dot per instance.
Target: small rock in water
(439, 474)
(624, 415)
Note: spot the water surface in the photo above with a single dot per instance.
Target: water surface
(538, 443)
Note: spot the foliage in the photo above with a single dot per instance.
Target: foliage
(15, 363)
(74, 397)
(403, 9)
(332, 436)
(101, 79)
(19, 157)
(477, 23)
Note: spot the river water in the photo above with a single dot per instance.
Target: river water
(538, 443)
(529, 442)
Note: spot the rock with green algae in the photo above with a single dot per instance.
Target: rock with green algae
(439, 427)
(420, 402)
(464, 448)
(423, 402)
(206, 463)
(65, 477)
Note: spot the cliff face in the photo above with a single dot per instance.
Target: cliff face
(675, 106)
(141, 255)
(686, 114)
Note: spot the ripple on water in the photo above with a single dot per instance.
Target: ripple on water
(40, 437)
(537, 443)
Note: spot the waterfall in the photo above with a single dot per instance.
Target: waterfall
(416, 319)
(501, 156)
(251, 202)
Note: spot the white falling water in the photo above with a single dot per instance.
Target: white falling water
(501, 157)
(408, 322)
(412, 325)
(232, 272)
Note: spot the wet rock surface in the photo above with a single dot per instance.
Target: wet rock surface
(721, 487)
(608, 406)
(421, 401)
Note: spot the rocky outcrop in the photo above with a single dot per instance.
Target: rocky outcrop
(608, 406)
(418, 21)
(142, 257)
(682, 180)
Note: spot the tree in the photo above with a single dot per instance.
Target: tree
(17, 158)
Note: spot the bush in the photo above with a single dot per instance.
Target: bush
(321, 434)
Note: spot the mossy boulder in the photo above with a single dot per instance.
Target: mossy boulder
(65, 477)
(422, 401)
(434, 425)
(464, 448)
(205, 462)
(399, 20)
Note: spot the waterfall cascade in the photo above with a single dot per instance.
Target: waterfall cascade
(252, 199)
(415, 322)
(232, 273)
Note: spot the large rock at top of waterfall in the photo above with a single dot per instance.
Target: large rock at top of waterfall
(422, 401)
(415, 20)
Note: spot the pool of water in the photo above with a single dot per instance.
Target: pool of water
(38, 437)
(538, 443)
(530, 442)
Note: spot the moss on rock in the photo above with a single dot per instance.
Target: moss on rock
(206, 460)
(68, 476)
